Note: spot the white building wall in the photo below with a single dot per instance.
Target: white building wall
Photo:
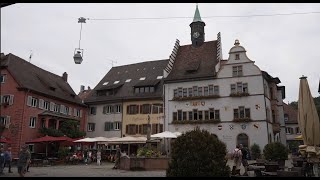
(100, 119)
(256, 130)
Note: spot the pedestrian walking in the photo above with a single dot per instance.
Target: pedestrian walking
(24, 160)
(237, 156)
(244, 159)
(2, 160)
(99, 157)
(8, 159)
(118, 155)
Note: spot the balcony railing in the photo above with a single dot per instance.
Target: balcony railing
(239, 94)
(211, 121)
(242, 119)
(194, 97)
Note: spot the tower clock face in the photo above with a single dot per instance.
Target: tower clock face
(196, 34)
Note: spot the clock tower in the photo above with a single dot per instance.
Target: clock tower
(197, 29)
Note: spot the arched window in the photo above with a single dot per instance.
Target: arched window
(243, 139)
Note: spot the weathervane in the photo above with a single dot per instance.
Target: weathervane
(78, 52)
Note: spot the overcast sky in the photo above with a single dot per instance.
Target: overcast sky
(285, 46)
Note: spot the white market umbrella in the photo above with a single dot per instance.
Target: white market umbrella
(309, 124)
(85, 140)
(165, 134)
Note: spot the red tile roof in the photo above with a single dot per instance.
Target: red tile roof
(194, 62)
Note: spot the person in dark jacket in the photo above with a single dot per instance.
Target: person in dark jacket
(2, 160)
(24, 160)
(8, 158)
(118, 155)
(244, 159)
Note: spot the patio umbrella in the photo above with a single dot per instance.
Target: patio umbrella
(165, 134)
(309, 124)
(46, 139)
(5, 140)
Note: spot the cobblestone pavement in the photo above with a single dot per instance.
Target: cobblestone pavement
(92, 170)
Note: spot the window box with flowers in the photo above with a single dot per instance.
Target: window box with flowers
(194, 97)
(211, 121)
(239, 94)
(242, 120)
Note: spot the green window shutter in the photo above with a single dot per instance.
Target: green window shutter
(111, 126)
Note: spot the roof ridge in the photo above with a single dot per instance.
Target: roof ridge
(140, 63)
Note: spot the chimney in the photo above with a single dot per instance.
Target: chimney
(65, 77)
(89, 88)
(81, 88)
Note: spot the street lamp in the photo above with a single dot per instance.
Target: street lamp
(78, 53)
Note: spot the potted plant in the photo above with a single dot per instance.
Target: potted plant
(255, 151)
(276, 152)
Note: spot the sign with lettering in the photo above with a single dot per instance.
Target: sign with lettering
(198, 103)
(227, 138)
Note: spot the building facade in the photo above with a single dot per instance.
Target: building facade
(291, 122)
(126, 100)
(33, 98)
(232, 98)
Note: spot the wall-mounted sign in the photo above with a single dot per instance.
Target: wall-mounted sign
(243, 126)
(227, 138)
(231, 126)
(198, 103)
(219, 127)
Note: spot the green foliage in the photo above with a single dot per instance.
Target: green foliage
(294, 104)
(255, 151)
(145, 152)
(293, 145)
(275, 151)
(63, 152)
(198, 153)
(51, 132)
(70, 129)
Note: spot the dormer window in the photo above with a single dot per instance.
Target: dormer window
(128, 80)
(147, 89)
(237, 57)
(142, 78)
(116, 82)
(105, 83)
(159, 77)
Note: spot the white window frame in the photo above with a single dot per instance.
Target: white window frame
(46, 105)
(91, 127)
(34, 102)
(109, 109)
(237, 71)
(3, 120)
(56, 107)
(3, 78)
(32, 122)
(117, 108)
(116, 126)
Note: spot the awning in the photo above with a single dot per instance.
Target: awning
(85, 140)
(49, 139)
(128, 140)
(5, 140)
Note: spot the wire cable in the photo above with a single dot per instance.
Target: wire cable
(235, 16)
